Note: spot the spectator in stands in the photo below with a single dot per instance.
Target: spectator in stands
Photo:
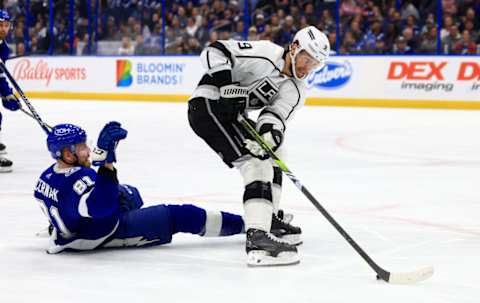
(126, 48)
(411, 23)
(309, 13)
(471, 16)
(465, 45)
(349, 8)
(20, 49)
(213, 37)
(429, 43)
(449, 7)
(193, 46)
(401, 47)
(260, 23)
(191, 27)
(380, 47)
(287, 33)
(474, 34)
(153, 42)
(449, 42)
(349, 45)
(326, 22)
(252, 34)
(275, 24)
(140, 48)
(238, 33)
(447, 23)
(369, 40)
(410, 38)
(203, 33)
(409, 9)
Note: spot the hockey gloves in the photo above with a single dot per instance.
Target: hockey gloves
(272, 136)
(129, 198)
(11, 102)
(107, 142)
(256, 96)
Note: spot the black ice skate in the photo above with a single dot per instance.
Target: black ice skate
(264, 249)
(282, 229)
(3, 149)
(5, 165)
(285, 217)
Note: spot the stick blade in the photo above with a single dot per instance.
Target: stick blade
(411, 277)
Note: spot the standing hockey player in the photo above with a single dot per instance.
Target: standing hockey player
(9, 100)
(242, 76)
(89, 210)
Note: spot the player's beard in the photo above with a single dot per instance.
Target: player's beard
(84, 163)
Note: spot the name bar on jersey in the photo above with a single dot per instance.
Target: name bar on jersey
(46, 190)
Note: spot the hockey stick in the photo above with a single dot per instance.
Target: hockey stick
(30, 115)
(394, 278)
(33, 112)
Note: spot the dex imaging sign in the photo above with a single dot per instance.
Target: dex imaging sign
(436, 75)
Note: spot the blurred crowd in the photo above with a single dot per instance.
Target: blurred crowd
(144, 27)
(409, 26)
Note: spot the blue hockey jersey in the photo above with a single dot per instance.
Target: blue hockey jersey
(5, 89)
(81, 205)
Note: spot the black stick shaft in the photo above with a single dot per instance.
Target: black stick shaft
(381, 273)
(4, 69)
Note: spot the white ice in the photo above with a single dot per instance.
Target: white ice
(404, 184)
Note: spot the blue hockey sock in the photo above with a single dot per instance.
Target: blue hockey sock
(231, 224)
(191, 219)
(187, 218)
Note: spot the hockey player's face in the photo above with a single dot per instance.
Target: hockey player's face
(304, 64)
(4, 28)
(82, 151)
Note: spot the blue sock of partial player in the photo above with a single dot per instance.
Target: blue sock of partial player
(231, 224)
(195, 220)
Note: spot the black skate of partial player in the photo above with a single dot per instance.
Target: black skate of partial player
(282, 229)
(264, 249)
(5, 165)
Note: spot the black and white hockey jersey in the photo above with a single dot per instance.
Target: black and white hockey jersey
(251, 62)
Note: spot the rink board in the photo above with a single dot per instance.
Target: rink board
(375, 81)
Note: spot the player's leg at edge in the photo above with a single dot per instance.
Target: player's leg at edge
(155, 225)
(262, 246)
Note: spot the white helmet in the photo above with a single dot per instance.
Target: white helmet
(314, 42)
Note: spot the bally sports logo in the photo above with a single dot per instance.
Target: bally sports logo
(333, 75)
(40, 70)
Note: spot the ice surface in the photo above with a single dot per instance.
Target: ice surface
(403, 183)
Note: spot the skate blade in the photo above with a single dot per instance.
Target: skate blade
(3, 152)
(257, 258)
(6, 170)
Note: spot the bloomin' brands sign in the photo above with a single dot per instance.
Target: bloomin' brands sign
(41, 70)
(149, 73)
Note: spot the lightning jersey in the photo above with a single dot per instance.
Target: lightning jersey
(5, 89)
(81, 205)
(251, 62)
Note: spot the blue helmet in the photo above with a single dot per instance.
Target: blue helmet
(62, 136)
(5, 16)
